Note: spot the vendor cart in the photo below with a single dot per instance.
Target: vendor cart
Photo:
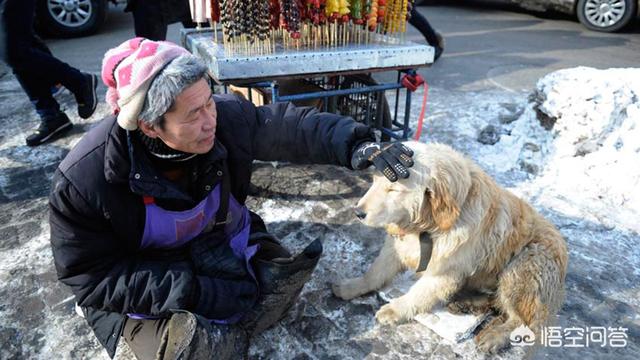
(339, 76)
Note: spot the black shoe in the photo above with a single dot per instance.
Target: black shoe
(49, 128)
(88, 98)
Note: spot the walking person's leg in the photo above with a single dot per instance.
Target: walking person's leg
(26, 52)
(57, 87)
(36, 88)
(433, 38)
(53, 122)
(37, 70)
(148, 20)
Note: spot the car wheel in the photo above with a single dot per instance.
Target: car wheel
(68, 18)
(606, 15)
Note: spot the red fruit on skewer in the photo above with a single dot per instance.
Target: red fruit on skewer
(215, 10)
(290, 16)
(274, 13)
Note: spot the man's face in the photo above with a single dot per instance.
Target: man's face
(191, 125)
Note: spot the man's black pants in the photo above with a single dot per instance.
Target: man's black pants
(145, 336)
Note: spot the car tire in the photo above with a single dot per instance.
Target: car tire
(85, 17)
(600, 15)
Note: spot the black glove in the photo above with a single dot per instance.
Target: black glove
(281, 281)
(392, 159)
(212, 256)
(220, 299)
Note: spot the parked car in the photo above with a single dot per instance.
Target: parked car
(69, 18)
(598, 15)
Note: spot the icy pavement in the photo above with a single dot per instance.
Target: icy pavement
(582, 174)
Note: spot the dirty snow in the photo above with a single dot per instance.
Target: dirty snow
(588, 161)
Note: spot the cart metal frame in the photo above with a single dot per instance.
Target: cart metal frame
(264, 71)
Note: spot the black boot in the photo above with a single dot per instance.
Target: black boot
(49, 128)
(281, 280)
(191, 337)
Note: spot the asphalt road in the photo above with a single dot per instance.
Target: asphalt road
(493, 44)
(489, 45)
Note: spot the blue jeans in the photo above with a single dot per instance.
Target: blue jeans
(36, 69)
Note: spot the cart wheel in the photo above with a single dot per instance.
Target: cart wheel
(382, 116)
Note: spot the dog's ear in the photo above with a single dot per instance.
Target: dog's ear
(443, 207)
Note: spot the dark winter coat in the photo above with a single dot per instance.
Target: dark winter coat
(97, 213)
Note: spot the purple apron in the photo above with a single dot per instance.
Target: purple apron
(165, 229)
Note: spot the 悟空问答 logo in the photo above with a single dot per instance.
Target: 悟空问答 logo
(522, 336)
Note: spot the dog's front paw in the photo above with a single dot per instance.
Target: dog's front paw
(491, 343)
(389, 314)
(348, 289)
(494, 336)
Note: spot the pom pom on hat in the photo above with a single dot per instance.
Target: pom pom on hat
(129, 69)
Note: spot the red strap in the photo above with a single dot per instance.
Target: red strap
(424, 108)
(411, 82)
(148, 200)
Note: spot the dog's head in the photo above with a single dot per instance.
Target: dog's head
(430, 199)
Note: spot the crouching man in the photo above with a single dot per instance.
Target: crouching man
(148, 223)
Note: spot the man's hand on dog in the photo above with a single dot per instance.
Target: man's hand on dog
(392, 159)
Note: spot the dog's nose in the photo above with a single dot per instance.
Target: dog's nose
(360, 214)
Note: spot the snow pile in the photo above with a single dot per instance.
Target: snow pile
(580, 135)
(594, 155)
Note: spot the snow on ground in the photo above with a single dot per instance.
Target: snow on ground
(581, 173)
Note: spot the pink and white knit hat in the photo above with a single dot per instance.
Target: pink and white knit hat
(128, 71)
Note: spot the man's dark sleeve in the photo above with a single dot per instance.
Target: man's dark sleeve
(284, 132)
(105, 275)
